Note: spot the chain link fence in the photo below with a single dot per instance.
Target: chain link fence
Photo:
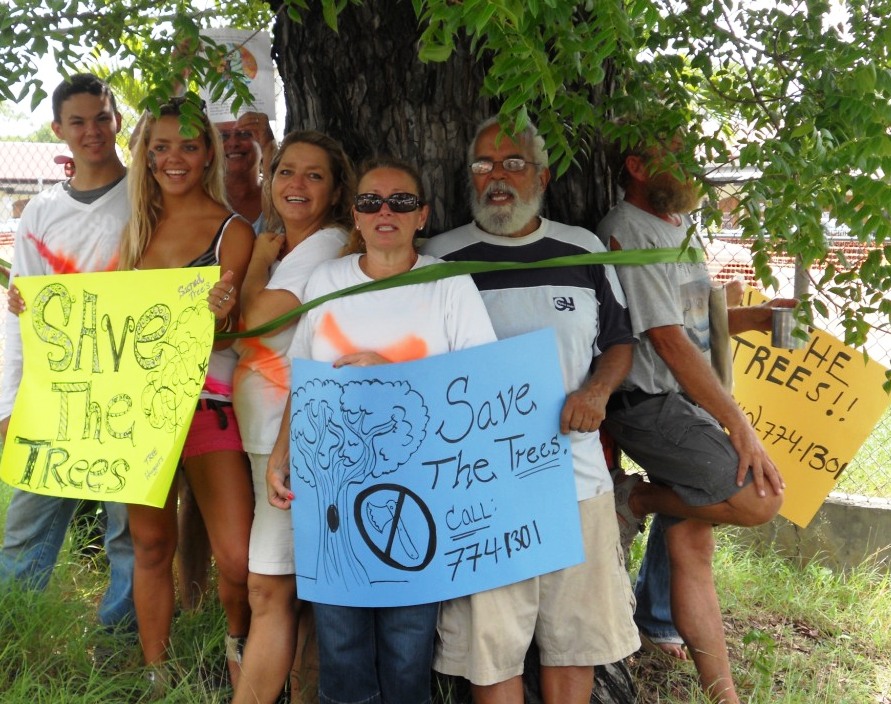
(868, 475)
(27, 167)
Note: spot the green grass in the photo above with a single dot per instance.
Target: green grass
(52, 651)
(797, 635)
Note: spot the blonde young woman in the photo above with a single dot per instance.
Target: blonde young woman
(308, 197)
(180, 218)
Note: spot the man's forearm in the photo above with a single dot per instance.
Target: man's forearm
(610, 369)
(695, 375)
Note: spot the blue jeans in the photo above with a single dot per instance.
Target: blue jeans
(375, 655)
(653, 586)
(35, 530)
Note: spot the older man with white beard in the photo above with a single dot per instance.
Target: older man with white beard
(580, 616)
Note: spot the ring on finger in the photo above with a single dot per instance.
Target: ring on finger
(225, 298)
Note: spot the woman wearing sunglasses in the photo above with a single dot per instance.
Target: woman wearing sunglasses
(180, 218)
(307, 202)
(379, 654)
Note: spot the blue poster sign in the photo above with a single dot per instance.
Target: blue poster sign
(427, 480)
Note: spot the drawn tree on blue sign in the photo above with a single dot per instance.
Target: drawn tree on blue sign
(344, 435)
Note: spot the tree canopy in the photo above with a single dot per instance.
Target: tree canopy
(796, 92)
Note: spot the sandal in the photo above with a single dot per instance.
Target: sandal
(654, 645)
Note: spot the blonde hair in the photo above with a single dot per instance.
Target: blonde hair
(355, 244)
(342, 172)
(146, 204)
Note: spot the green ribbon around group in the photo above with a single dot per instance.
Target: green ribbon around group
(633, 257)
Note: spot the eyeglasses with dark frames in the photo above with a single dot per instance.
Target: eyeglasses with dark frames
(398, 202)
(512, 164)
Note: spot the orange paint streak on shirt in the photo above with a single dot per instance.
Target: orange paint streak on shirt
(61, 263)
(257, 357)
(408, 348)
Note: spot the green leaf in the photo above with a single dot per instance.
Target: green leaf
(329, 12)
(435, 53)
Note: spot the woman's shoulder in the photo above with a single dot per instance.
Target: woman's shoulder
(236, 223)
(331, 275)
(427, 260)
(331, 232)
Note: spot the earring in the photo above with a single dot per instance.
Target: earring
(206, 164)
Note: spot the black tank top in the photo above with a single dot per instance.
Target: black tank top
(211, 255)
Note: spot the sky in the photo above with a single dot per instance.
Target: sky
(46, 72)
(43, 115)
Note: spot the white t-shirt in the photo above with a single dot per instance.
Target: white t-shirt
(263, 374)
(400, 324)
(60, 235)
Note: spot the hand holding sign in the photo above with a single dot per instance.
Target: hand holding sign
(422, 481)
(812, 409)
(113, 365)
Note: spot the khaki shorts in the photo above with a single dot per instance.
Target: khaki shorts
(579, 616)
(272, 534)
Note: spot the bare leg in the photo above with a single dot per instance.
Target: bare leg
(192, 550)
(272, 641)
(507, 692)
(153, 531)
(221, 482)
(745, 508)
(567, 685)
(694, 605)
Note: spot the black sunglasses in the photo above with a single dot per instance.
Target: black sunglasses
(398, 202)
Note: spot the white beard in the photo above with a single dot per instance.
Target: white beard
(502, 219)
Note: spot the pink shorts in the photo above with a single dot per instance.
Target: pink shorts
(207, 435)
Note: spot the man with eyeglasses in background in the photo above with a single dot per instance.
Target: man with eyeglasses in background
(247, 143)
(580, 616)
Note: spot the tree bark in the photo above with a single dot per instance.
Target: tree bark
(612, 684)
(366, 87)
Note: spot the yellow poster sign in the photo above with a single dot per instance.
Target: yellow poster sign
(113, 365)
(813, 408)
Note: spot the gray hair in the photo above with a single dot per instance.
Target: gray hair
(529, 137)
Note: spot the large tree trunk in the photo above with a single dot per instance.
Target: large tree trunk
(366, 87)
